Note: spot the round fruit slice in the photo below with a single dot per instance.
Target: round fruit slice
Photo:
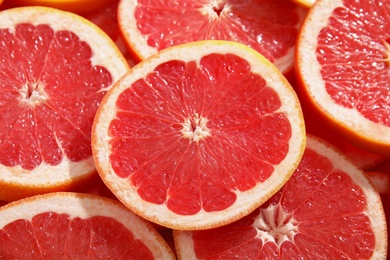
(76, 226)
(343, 64)
(198, 135)
(327, 210)
(270, 27)
(55, 69)
(76, 6)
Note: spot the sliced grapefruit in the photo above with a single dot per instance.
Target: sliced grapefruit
(75, 6)
(67, 225)
(198, 135)
(56, 67)
(343, 67)
(270, 27)
(327, 210)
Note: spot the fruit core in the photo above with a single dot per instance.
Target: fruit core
(275, 225)
(215, 8)
(33, 93)
(195, 128)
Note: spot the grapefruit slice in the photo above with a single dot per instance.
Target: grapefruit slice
(343, 63)
(198, 135)
(327, 210)
(270, 26)
(56, 67)
(75, 6)
(67, 225)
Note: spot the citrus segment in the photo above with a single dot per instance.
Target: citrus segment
(75, 225)
(270, 26)
(75, 6)
(343, 68)
(198, 135)
(326, 210)
(56, 69)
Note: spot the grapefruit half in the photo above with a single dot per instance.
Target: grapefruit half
(55, 69)
(198, 135)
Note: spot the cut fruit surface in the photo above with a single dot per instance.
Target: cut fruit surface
(56, 67)
(269, 26)
(343, 67)
(327, 210)
(76, 226)
(198, 135)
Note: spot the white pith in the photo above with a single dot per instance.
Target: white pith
(195, 128)
(33, 93)
(275, 225)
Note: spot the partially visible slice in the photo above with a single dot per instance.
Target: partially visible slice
(342, 61)
(327, 210)
(198, 135)
(76, 226)
(269, 26)
(55, 69)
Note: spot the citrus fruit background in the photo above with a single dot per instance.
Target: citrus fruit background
(318, 50)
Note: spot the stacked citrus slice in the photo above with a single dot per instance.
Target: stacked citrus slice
(76, 226)
(55, 69)
(198, 135)
(343, 65)
(269, 26)
(327, 210)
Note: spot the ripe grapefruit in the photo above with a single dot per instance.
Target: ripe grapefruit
(269, 26)
(55, 69)
(343, 64)
(67, 225)
(198, 135)
(327, 210)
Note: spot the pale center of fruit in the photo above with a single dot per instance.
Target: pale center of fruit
(33, 93)
(275, 225)
(195, 128)
(214, 8)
